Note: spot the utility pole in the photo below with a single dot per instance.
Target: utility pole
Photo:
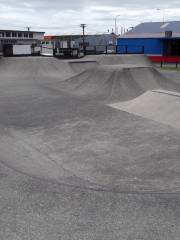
(83, 26)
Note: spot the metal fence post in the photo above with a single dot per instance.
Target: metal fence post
(126, 49)
(95, 49)
(142, 49)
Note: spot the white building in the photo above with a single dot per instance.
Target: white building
(8, 38)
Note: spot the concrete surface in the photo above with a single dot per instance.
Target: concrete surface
(111, 83)
(120, 59)
(158, 105)
(73, 168)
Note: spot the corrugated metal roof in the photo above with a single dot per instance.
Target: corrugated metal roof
(156, 27)
(149, 35)
(94, 40)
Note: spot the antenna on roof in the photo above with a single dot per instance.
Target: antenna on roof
(28, 28)
(163, 13)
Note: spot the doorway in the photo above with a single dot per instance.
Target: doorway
(172, 47)
(8, 50)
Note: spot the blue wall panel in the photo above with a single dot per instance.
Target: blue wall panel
(135, 45)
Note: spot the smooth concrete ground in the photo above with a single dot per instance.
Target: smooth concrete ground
(158, 105)
(73, 168)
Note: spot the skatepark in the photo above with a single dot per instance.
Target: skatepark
(89, 149)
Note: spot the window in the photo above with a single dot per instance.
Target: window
(26, 35)
(14, 34)
(30, 35)
(8, 34)
(1, 34)
(19, 35)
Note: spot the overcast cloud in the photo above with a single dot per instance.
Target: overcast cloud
(65, 16)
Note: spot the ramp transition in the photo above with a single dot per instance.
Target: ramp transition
(158, 105)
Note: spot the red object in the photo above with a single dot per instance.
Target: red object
(167, 59)
(48, 37)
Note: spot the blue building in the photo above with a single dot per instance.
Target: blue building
(152, 38)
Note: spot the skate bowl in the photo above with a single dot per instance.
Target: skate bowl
(74, 167)
(55, 117)
(158, 105)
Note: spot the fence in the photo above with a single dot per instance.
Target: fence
(164, 60)
(111, 49)
(99, 49)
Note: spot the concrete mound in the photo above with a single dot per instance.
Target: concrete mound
(94, 60)
(159, 105)
(20, 67)
(116, 82)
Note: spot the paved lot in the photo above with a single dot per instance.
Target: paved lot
(73, 168)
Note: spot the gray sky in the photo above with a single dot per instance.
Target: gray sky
(65, 16)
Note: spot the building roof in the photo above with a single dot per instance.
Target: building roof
(7, 30)
(100, 39)
(156, 27)
(154, 30)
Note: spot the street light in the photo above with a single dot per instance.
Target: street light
(115, 30)
(163, 12)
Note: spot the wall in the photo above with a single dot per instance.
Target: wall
(39, 36)
(98, 41)
(135, 45)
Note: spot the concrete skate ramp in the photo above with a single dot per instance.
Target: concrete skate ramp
(116, 82)
(140, 60)
(159, 105)
(94, 60)
(48, 67)
(77, 169)
(81, 65)
(34, 67)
